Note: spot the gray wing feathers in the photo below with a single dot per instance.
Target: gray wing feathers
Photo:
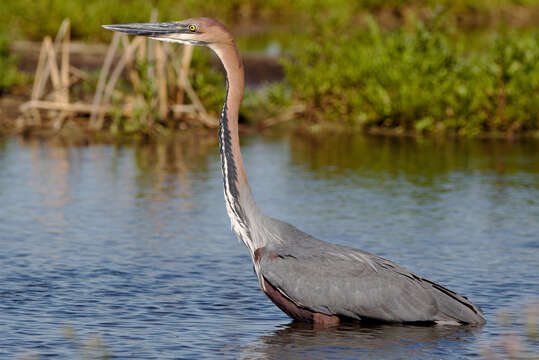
(453, 305)
(339, 280)
(346, 286)
(349, 288)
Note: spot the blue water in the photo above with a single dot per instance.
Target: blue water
(125, 251)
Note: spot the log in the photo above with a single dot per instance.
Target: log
(161, 81)
(53, 66)
(187, 55)
(64, 70)
(37, 89)
(182, 109)
(126, 110)
(126, 57)
(102, 79)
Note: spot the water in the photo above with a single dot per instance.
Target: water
(125, 250)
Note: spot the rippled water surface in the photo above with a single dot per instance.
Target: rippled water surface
(126, 250)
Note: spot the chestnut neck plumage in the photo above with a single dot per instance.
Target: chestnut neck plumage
(239, 201)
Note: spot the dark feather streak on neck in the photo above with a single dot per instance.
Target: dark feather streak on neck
(228, 165)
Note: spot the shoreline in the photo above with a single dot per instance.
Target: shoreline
(260, 70)
(73, 133)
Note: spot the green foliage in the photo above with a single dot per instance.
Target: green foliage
(417, 79)
(9, 75)
(517, 59)
(208, 82)
(347, 70)
(35, 18)
(265, 102)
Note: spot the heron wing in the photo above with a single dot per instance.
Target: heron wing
(350, 283)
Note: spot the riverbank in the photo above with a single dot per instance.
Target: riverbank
(396, 68)
(76, 132)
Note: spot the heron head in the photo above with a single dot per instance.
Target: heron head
(194, 31)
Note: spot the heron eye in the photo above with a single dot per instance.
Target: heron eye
(192, 28)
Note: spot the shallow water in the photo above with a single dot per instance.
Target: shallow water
(126, 250)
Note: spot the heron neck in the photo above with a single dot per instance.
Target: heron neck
(239, 200)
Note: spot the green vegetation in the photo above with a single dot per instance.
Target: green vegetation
(9, 76)
(35, 18)
(417, 79)
(207, 81)
(409, 66)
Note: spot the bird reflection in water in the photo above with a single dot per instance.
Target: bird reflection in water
(298, 340)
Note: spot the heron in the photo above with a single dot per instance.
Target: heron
(309, 279)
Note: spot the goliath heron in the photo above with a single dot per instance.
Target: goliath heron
(309, 279)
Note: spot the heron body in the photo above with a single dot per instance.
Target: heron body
(309, 279)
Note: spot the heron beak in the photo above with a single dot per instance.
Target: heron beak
(149, 29)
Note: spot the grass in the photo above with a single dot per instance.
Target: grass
(417, 79)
